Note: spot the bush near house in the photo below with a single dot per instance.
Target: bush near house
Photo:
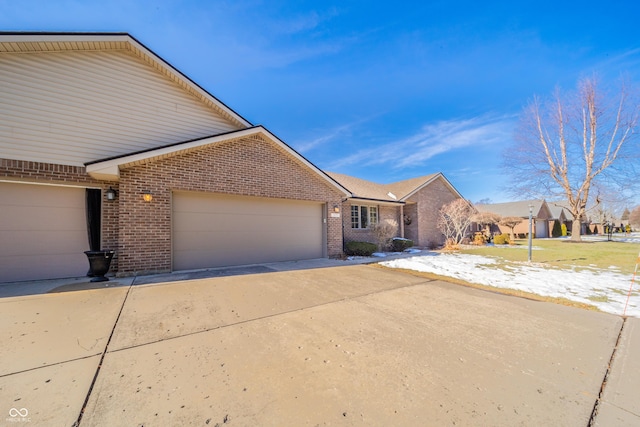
(501, 239)
(564, 229)
(360, 248)
(557, 229)
(399, 244)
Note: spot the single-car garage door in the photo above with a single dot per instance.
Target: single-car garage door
(43, 232)
(215, 230)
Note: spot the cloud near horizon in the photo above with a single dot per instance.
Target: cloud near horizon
(433, 140)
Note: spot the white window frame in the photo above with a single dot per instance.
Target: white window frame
(371, 216)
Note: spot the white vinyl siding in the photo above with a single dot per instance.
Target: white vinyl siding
(76, 107)
(363, 216)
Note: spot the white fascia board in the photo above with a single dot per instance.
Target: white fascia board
(109, 170)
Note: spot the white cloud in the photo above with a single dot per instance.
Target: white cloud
(330, 135)
(432, 140)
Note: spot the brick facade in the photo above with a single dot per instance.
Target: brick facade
(424, 208)
(251, 166)
(140, 231)
(364, 234)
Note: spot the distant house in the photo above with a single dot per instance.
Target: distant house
(559, 213)
(414, 204)
(541, 214)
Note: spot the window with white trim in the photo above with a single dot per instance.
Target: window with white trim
(363, 216)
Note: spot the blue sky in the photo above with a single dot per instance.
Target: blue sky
(383, 91)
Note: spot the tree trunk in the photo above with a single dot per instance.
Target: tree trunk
(576, 230)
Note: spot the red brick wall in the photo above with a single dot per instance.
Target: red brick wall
(250, 167)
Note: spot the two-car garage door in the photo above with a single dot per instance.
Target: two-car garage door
(213, 230)
(43, 232)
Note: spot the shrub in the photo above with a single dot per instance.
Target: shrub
(501, 239)
(479, 238)
(360, 248)
(588, 232)
(384, 231)
(557, 229)
(398, 244)
(563, 227)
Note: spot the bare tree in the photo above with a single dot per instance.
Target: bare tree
(486, 219)
(454, 221)
(574, 142)
(511, 222)
(384, 231)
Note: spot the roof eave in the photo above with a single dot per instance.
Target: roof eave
(109, 169)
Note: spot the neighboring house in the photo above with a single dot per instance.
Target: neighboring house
(560, 214)
(414, 204)
(540, 212)
(196, 185)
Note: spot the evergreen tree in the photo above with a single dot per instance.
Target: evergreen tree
(557, 229)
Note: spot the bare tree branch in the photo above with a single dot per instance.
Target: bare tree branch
(567, 148)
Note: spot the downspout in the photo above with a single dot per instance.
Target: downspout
(401, 221)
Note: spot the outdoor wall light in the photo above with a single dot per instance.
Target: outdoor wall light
(147, 196)
(336, 208)
(111, 194)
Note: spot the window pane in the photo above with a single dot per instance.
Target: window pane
(355, 217)
(373, 215)
(364, 217)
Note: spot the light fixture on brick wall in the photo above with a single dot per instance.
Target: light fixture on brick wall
(336, 208)
(147, 196)
(111, 194)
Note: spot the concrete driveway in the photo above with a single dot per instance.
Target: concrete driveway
(354, 345)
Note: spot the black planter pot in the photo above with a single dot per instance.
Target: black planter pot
(99, 263)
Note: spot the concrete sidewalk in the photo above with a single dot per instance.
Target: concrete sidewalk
(352, 345)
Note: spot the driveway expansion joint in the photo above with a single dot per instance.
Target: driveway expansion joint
(104, 353)
(596, 405)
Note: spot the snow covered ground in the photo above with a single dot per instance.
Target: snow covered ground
(605, 289)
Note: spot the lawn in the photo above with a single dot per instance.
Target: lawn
(564, 253)
(594, 273)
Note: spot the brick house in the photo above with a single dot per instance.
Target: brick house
(541, 215)
(99, 136)
(414, 204)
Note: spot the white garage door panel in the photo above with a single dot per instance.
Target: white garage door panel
(42, 232)
(220, 230)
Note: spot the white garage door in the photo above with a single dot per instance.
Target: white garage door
(43, 232)
(215, 230)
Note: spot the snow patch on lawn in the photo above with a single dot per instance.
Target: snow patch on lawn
(605, 289)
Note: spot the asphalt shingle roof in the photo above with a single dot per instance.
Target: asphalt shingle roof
(361, 188)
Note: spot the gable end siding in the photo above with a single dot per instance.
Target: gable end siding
(75, 107)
